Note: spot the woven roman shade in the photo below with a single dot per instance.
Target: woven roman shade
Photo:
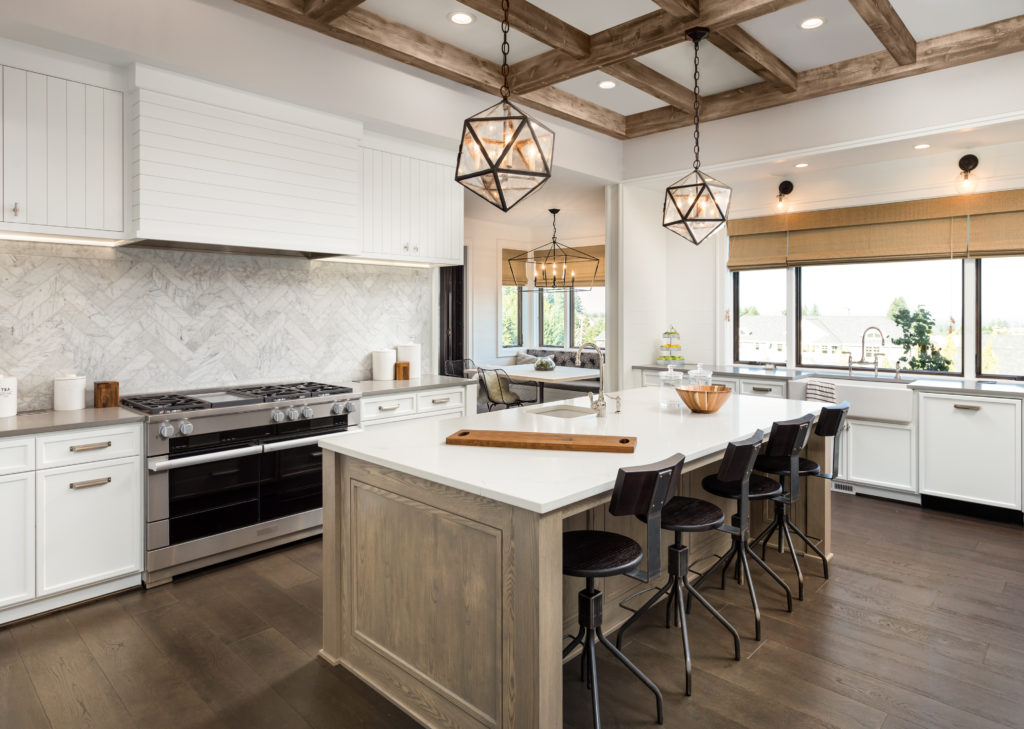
(598, 253)
(506, 272)
(914, 230)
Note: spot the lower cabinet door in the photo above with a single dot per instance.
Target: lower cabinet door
(880, 454)
(17, 538)
(88, 524)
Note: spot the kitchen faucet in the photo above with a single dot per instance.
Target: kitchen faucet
(600, 405)
(864, 349)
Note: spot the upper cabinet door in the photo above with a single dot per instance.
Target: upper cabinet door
(63, 154)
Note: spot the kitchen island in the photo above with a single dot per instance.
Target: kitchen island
(443, 584)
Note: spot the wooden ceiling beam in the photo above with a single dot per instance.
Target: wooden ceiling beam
(327, 11)
(538, 24)
(649, 81)
(402, 43)
(747, 50)
(634, 38)
(888, 27)
(954, 49)
(685, 9)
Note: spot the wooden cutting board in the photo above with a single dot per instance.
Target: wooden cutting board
(543, 441)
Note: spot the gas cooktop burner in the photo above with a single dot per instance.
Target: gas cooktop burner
(292, 391)
(156, 404)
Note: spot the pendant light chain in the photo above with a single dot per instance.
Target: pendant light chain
(696, 105)
(505, 91)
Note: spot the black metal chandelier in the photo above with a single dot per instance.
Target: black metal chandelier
(696, 206)
(554, 266)
(504, 155)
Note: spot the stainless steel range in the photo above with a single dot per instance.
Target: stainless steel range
(235, 470)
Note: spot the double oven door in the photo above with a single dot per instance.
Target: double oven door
(211, 484)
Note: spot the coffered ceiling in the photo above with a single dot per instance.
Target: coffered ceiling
(757, 56)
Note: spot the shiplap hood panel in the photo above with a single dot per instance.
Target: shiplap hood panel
(218, 166)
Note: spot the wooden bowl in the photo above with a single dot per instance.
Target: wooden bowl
(704, 398)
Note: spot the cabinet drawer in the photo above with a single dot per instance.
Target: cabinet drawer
(17, 455)
(764, 389)
(71, 447)
(88, 524)
(649, 379)
(731, 384)
(388, 407)
(440, 400)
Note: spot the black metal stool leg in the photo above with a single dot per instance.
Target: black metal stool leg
(681, 616)
(592, 664)
(636, 672)
(813, 546)
(779, 580)
(574, 642)
(764, 536)
(796, 562)
(753, 595)
(691, 590)
(642, 609)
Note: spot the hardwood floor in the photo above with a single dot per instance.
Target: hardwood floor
(919, 628)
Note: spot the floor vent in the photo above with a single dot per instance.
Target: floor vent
(846, 488)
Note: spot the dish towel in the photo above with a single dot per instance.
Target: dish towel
(820, 390)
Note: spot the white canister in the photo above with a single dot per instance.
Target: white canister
(8, 396)
(384, 364)
(69, 392)
(413, 354)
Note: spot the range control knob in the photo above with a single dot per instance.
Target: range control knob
(186, 428)
(350, 407)
(292, 414)
(166, 430)
(307, 412)
(337, 408)
(276, 416)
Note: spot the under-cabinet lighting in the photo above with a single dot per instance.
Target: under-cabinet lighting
(922, 146)
(45, 238)
(461, 18)
(800, 165)
(812, 23)
(607, 84)
(375, 262)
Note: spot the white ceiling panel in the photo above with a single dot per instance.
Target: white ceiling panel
(623, 98)
(592, 16)
(843, 36)
(481, 37)
(718, 71)
(930, 18)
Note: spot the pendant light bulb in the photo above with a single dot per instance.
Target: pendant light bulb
(965, 182)
(785, 189)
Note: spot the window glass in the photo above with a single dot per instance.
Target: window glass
(1001, 317)
(553, 319)
(916, 305)
(761, 323)
(589, 316)
(511, 332)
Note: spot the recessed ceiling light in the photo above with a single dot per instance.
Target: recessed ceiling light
(461, 18)
(922, 146)
(607, 84)
(800, 165)
(812, 23)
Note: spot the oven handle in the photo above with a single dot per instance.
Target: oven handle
(160, 466)
(283, 445)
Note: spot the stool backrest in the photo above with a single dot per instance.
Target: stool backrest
(737, 465)
(458, 367)
(497, 386)
(789, 437)
(830, 424)
(643, 490)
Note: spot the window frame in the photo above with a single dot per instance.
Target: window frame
(869, 368)
(570, 320)
(977, 329)
(519, 318)
(736, 323)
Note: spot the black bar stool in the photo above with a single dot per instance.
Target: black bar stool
(781, 458)
(735, 480)
(639, 490)
(683, 514)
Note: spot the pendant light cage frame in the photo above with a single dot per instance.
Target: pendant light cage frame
(698, 204)
(504, 155)
(554, 267)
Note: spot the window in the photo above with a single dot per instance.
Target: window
(588, 317)
(568, 319)
(511, 316)
(1000, 317)
(552, 319)
(916, 305)
(759, 329)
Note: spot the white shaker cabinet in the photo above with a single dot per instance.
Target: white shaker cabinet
(17, 538)
(879, 454)
(412, 207)
(443, 402)
(970, 449)
(63, 156)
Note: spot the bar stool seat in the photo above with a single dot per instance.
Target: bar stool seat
(685, 514)
(779, 465)
(761, 487)
(594, 553)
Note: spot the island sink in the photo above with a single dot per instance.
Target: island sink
(566, 411)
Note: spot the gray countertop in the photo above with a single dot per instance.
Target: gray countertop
(42, 421)
(982, 388)
(426, 382)
(779, 373)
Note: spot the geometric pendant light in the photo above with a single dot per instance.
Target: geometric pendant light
(696, 206)
(554, 266)
(504, 154)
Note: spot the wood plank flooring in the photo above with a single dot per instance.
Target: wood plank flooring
(919, 628)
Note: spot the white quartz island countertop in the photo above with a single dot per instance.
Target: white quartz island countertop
(541, 480)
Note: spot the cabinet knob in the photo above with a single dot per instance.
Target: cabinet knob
(416, 249)
(15, 209)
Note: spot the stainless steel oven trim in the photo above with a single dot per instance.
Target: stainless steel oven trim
(158, 465)
(283, 445)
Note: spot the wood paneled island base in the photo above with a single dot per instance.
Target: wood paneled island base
(451, 603)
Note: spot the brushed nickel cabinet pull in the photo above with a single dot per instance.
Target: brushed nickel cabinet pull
(89, 484)
(15, 209)
(960, 406)
(761, 389)
(440, 400)
(388, 408)
(90, 446)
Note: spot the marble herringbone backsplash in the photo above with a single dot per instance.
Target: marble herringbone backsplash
(161, 320)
